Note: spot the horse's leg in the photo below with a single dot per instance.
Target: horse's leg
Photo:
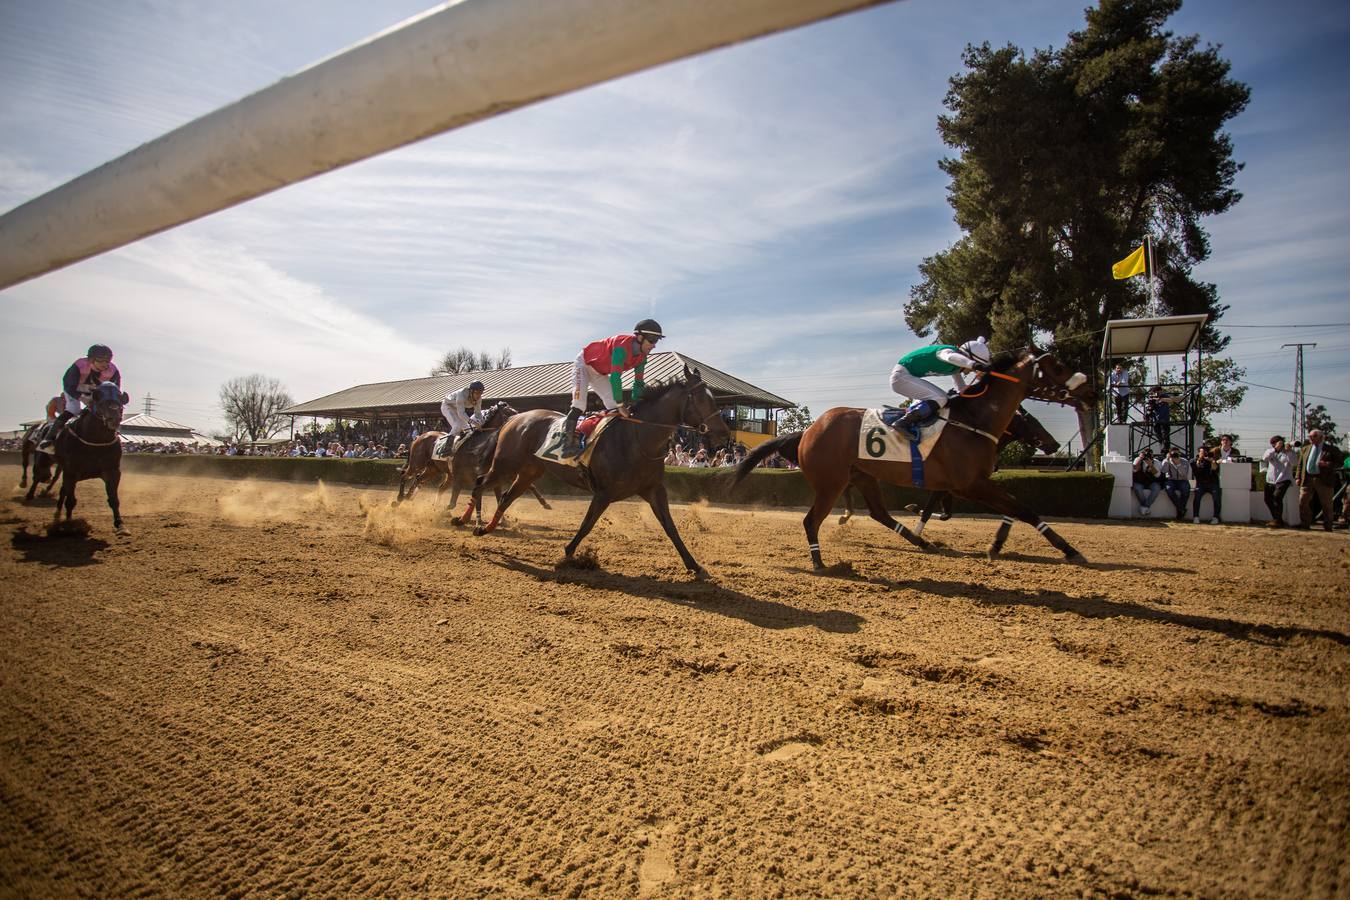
(659, 501)
(540, 497)
(870, 488)
(110, 483)
(599, 503)
(66, 498)
(946, 506)
(1000, 501)
(518, 487)
(848, 506)
(827, 495)
(57, 469)
(23, 476)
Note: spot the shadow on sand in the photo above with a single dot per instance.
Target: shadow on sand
(1101, 608)
(69, 551)
(701, 595)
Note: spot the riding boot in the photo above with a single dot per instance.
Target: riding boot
(571, 446)
(908, 425)
(49, 440)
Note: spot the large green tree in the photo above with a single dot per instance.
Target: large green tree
(1066, 159)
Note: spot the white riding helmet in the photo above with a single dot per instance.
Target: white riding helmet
(977, 350)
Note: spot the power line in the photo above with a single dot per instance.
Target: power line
(1315, 325)
(1287, 391)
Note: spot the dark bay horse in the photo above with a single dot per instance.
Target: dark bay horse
(1024, 427)
(460, 470)
(629, 459)
(89, 447)
(45, 468)
(961, 461)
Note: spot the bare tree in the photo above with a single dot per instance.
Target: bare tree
(456, 362)
(252, 405)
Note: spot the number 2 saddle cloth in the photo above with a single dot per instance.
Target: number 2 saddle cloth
(588, 432)
(878, 440)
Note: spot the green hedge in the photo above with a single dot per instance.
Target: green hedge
(1072, 494)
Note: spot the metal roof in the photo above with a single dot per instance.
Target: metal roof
(1174, 335)
(141, 427)
(543, 383)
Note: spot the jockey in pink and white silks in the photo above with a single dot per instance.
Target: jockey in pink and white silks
(459, 409)
(78, 384)
(599, 368)
(907, 378)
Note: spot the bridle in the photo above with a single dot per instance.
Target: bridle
(701, 427)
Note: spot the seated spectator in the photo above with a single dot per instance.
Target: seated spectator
(700, 459)
(1176, 475)
(1279, 476)
(1206, 482)
(1144, 481)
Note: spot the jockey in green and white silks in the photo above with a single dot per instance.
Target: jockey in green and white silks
(599, 369)
(908, 376)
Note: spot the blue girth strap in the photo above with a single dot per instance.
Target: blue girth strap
(915, 464)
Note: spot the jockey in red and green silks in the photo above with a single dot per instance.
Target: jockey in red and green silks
(599, 368)
(908, 376)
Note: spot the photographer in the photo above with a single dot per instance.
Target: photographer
(1145, 480)
(1176, 473)
(1206, 482)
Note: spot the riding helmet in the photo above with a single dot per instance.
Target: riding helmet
(648, 328)
(476, 385)
(977, 350)
(99, 351)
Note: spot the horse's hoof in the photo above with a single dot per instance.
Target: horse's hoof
(479, 531)
(701, 574)
(123, 531)
(1076, 558)
(992, 555)
(843, 520)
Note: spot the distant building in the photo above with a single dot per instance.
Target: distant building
(142, 428)
(403, 405)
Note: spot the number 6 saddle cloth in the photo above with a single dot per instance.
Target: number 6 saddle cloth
(879, 441)
(588, 431)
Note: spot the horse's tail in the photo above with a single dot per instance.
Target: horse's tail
(785, 445)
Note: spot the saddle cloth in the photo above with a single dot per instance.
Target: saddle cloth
(878, 440)
(438, 449)
(589, 430)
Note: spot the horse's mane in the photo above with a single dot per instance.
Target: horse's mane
(653, 392)
(1004, 361)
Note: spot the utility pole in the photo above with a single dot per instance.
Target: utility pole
(1298, 427)
(149, 404)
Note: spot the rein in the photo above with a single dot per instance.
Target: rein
(951, 421)
(116, 437)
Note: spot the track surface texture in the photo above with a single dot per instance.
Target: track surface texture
(272, 688)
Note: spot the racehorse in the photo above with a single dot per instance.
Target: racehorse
(462, 469)
(45, 469)
(89, 447)
(628, 460)
(961, 461)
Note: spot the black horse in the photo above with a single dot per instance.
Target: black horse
(45, 469)
(628, 460)
(89, 447)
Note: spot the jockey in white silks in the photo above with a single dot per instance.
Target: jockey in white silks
(459, 409)
(907, 378)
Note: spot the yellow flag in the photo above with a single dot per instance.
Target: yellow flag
(1131, 265)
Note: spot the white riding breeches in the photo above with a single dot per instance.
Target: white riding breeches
(916, 388)
(458, 421)
(584, 379)
(73, 404)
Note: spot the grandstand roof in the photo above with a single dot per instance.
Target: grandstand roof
(142, 427)
(542, 384)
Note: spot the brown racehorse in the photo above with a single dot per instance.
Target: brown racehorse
(960, 462)
(461, 470)
(1024, 427)
(45, 468)
(628, 460)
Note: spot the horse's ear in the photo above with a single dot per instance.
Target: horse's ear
(687, 372)
(695, 375)
(126, 398)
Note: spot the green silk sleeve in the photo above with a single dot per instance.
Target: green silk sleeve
(616, 363)
(637, 380)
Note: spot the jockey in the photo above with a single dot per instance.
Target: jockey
(907, 378)
(79, 382)
(459, 408)
(599, 367)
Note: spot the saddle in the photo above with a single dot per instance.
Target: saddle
(589, 430)
(892, 414)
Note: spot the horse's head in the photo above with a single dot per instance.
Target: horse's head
(107, 403)
(1028, 429)
(1050, 377)
(700, 410)
(497, 415)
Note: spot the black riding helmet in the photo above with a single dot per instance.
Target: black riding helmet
(648, 328)
(99, 351)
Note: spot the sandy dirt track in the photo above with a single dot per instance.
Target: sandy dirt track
(274, 688)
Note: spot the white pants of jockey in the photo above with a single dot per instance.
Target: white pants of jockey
(458, 421)
(73, 404)
(916, 388)
(584, 379)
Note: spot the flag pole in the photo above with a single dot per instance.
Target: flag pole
(1152, 283)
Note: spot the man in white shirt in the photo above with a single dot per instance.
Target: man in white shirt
(1279, 475)
(1118, 385)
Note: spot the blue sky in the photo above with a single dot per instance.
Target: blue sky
(769, 203)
